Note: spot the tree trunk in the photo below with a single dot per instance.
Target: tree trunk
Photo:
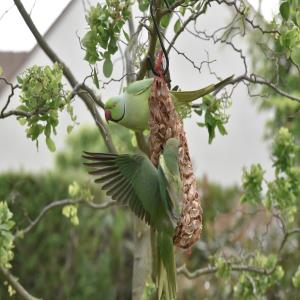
(142, 259)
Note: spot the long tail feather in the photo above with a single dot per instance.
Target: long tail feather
(188, 96)
(166, 267)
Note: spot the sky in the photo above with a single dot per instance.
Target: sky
(14, 35)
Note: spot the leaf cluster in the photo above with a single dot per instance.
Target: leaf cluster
(6, 236)
(105, 23)
(284, 191)
(254, 286)
(43, 96)
(215, 117)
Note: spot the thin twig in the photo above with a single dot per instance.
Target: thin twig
(286, 236)
(59, 203)
(213, 269)
(14, 282)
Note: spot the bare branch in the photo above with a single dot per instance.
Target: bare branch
(254, 78)
(59, 203)
(213, 269)
(286, 236)
(14, 282)
(165, 11)
(242, 13)
(12, 92)
(6, 11)
(191, 18)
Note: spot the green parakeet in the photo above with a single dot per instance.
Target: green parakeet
(134, 181)
(131, 110)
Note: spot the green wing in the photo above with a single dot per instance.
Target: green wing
(181, 97)
(131, 180)
(139, 86)
(116, 174)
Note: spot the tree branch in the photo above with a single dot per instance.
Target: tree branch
(12, 92)
(152, 45)
(89, 99)
(253, 78)
(13, 281)
(191, 18)
(213, 269)
(242, 13)
(286, 236)
(59, 203)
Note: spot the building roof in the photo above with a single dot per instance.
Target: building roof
(11, 62)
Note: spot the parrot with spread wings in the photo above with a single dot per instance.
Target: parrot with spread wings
(131, 109)
(132, 179)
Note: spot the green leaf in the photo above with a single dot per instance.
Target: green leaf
(177, 26)
(69, 129)
(22, 121)
(107, 67)
(296, 278)
(95, 78)
(50, 144)
(47, 130)
(285, 10)
(298, 18)
(165, 20)
(143, 5)
(19, 79)
(1, 70)
(222, 129)
(295, 55)
(252, 184)
(126, 35)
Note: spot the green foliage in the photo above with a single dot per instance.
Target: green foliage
(6, 236)
(89, 261)
(76, 191)
(105, 23)
(215, 116)
(285, 10)
(143, 5)
(224, 268)
(296, 278)
(283, 191)
(283, 151)
(252, 184)
(70, 212)
(107, 67)
(149, 291)
(43, 96)
(177, 26)
(277, 59)
(254, 286)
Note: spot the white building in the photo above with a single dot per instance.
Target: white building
(222, 161)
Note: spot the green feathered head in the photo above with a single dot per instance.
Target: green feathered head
(114, 109)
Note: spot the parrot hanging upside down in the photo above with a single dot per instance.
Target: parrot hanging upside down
(134, 181)
(131, 110)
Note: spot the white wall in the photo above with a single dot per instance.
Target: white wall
(222, 161)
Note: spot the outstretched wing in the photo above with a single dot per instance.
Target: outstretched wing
(117, 175)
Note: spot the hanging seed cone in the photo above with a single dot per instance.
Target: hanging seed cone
(164, 123)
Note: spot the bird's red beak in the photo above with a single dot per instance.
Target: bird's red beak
(107, 115)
